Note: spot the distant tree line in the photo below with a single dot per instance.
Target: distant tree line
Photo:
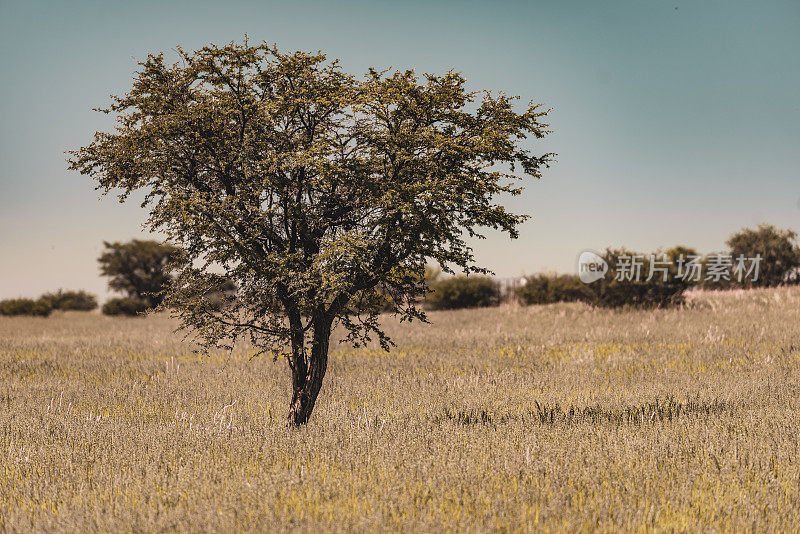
(777, 250)
(778, 264)
(140, 270)
(49, 302)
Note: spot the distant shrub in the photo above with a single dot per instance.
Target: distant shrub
(71, 300)
(463, 292)
(712, 283)
(684, 260)
(125, 306)
(614, 291)
(547, 289)
(221, 296)
(39, 307)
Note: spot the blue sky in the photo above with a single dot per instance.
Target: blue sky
(675, 122)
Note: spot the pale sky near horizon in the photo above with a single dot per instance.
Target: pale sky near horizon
(674, 122)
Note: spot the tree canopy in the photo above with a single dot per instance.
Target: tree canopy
(308, 188)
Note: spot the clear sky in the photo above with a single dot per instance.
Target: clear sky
(675, 122)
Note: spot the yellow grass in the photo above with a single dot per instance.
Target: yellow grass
(514, 419)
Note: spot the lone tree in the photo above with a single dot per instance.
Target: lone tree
(780, 254)
(139, 268)
(309, 189)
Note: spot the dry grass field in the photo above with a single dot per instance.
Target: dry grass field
(512, 419)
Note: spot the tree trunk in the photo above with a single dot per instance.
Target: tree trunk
(307, 379)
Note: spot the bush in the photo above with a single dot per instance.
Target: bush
(609, 292)
(125, 306)
(39, 308)
(221, 296)
(463, 292)
(71, 300)
(710, 283)
(547, 289)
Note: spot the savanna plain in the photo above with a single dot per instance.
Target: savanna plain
(558, 417)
